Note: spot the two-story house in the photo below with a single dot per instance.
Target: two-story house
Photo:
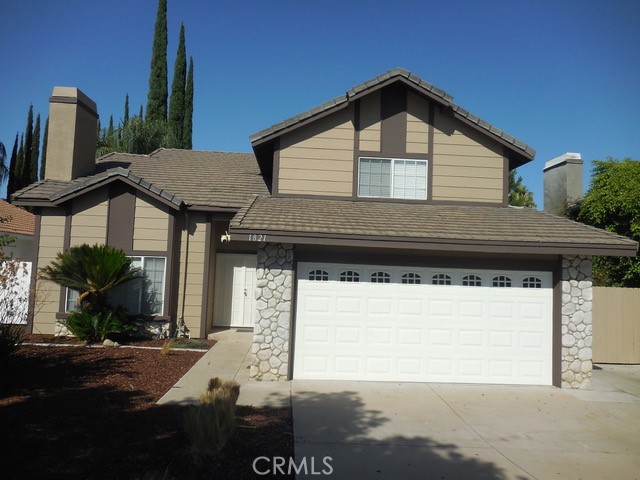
(369, 238)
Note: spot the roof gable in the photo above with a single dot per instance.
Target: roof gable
(415, 83)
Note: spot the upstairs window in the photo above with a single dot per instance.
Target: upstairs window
(392, 178)
(319, 276)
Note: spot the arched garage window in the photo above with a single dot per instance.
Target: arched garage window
(532, 282)
(411, 278)
(471, 281)
(380, 277)
(318, 275)
(441, 279)
(349, 276)
(501, 281)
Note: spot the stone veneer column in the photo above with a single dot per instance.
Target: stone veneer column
(272, 325)
(576, 322)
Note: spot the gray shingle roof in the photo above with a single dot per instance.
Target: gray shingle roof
(372, 84)
(450, 224)
(197, 178)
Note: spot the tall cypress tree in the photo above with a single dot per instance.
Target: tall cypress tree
(140, 112)
(126, 110)
(43, 162)
(35, 152)
(176, 103)
(11, 186)
(18, 183)
(157, 97)
(25, 176)
(187, 129)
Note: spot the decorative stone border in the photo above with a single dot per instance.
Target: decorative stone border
(156, 329)
(577, 294)
(272, 326)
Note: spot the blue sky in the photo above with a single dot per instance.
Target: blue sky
(559, 75)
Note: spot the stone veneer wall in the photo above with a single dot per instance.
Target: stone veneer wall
(272, 326)
(576, 322)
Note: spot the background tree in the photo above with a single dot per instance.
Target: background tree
(177, 100)
(4, 170)
(187, 129)
(35, 152)
(613, 204)
(11, 186)
(519, 194)
(25, 171)
(126, 110)
(157, 97)
(17, 174)
(43, 161)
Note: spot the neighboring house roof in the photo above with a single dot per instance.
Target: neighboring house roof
(436, 94)
(195, 178)
(411, 225)
(20, 221)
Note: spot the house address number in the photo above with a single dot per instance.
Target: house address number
(257, 237)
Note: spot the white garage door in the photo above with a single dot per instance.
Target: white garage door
(356, 322)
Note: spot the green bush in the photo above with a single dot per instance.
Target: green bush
(94, 327)
(11, 337)
(209, 424)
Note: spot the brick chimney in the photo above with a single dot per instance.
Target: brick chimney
(73, 132)
(562, 183)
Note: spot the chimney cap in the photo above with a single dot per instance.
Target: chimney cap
(569, 157)
(73, 95)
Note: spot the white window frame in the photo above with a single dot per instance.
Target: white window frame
(393, 160)
(142, 260)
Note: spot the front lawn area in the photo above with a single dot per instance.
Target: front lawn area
(78, 412)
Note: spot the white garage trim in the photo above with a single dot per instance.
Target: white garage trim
(379, 323)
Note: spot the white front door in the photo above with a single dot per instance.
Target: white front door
(367, 322)
(235, 284)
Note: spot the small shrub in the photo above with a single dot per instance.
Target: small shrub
(11, 337)
(209, 424)
(93, 327)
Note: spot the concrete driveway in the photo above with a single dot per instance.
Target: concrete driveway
(444, 431)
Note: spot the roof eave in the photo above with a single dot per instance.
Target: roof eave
(456, 245)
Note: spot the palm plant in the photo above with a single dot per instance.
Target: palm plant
(91, 270)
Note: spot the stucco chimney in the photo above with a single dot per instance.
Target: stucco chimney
(562, 183)
(73, 132)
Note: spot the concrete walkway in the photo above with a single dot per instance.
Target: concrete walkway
(229, 359)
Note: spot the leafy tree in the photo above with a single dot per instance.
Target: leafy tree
(11, 185)
(157, 97)
(177, 100)
(35, 152)
(613, 204)
(519, 194)
(137, 136)
(43, 162)
(92, 271)
(187, 129)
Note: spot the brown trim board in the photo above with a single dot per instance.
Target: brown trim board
(65, 246)
(275, 175)
(393, 117)
(480, 246)
(34, 271)
(430, 149)
(356, 148)
(206, 275)
(505, 179)
(120, 217)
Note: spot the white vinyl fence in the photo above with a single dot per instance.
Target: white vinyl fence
(15, 280)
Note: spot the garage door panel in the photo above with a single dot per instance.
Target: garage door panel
(423, 332)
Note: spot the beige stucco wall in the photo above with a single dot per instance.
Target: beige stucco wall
(190, 298)
(318, 159)
(467, 166)
(151, 225)
(417, 124)
(370, 124)
(89, 218)
(47, 298)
